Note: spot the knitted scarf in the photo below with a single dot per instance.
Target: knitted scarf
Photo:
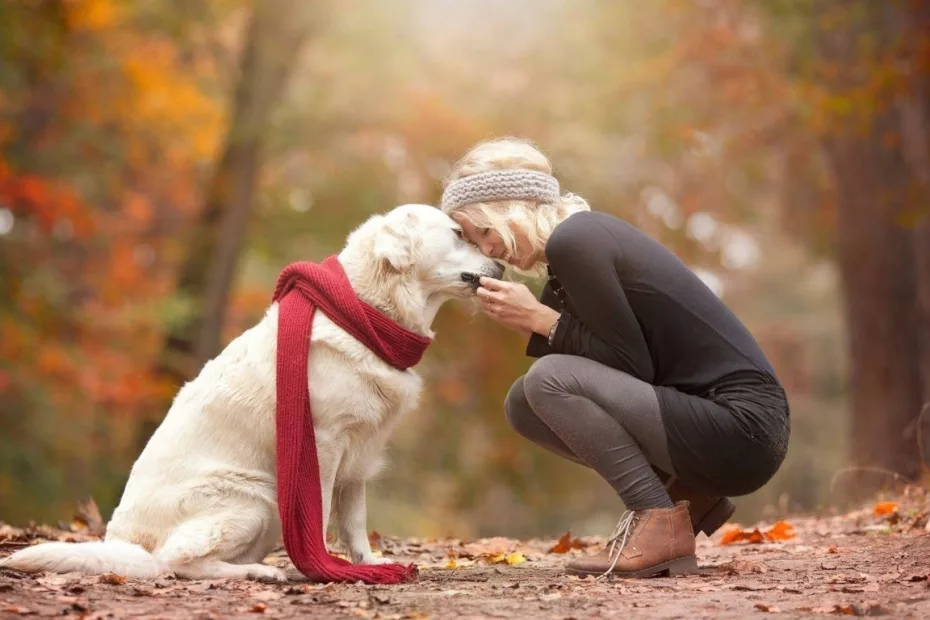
(302, 288)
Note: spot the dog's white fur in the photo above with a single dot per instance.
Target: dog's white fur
(200, 501)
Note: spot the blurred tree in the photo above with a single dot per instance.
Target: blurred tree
(856, 165)
(93, 187)
(276, 33)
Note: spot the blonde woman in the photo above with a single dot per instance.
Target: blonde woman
(643, 374)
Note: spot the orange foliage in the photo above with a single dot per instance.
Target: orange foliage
(781, 530)
(80, 318)
(566, 544)
(885, 508)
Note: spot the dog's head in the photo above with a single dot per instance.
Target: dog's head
(414, 254)
(424, 243)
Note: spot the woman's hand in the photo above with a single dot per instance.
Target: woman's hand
(513, 305)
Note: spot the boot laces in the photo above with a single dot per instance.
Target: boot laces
(621, 533)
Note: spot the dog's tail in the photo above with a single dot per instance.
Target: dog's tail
(91, 558)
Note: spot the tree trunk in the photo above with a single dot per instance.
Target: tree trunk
(914, 111)
(276, 33)
(275, 36)
(876, 255)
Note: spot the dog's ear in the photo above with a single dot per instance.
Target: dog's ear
(395, 243)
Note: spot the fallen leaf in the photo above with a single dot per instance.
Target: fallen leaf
(885, 508)
(17, 609)
(375, 540)
(742, 567)
(451, 562)
(259, 608)
(782, 530)
(566, 544)
(486, 547)
(510, 559)
(832, 550)
(767, 608)
(89, 518)
(877, 609)
(845, 610)
(752, 588)
(112, 579)
(736, 535)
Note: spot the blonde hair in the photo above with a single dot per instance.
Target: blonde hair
(535, 219)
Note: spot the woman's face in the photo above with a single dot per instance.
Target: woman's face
(491, 244)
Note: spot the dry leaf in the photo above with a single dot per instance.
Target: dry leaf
(486, 547)
(742, 567)
(781, 530)
(112, 578)
(885, 508)
(16, 609)
(845, 610)
(374, 539)
(767, 608)
(505, 558)
(88, 517)
(451, 562)
(259, 608)
(566, 544)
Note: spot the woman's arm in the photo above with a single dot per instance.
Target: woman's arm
(585, 257)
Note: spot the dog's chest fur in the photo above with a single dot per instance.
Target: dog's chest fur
(221, 428)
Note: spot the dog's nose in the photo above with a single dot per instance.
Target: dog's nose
(497, 270)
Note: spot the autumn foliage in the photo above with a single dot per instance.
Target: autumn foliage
(706, 124)
(780, 531)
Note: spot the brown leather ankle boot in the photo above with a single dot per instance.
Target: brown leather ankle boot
(708, 512)
(645, 543)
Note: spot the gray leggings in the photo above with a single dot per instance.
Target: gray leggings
(599, 417)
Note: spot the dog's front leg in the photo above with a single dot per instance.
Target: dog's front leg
(329, 457)
(351, 518)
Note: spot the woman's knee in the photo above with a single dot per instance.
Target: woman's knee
(518, 411)
(548, 376)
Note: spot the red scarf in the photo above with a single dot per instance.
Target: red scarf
(301, 289)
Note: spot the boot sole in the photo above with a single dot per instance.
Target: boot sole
(680, 566)
(715, 517)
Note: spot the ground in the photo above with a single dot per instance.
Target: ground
(874, 561)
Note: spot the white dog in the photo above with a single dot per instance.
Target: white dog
(200, 501)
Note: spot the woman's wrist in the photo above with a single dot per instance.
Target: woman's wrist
(545, 317)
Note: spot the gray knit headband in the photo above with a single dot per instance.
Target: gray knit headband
(500, 185)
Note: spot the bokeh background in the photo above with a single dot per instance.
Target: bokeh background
(160, 162)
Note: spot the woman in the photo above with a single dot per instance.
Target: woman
(643, 374)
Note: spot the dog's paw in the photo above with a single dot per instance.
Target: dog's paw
(267, 574)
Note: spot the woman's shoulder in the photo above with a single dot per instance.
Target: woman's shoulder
(582, 229)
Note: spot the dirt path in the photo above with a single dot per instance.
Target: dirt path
(856, 564)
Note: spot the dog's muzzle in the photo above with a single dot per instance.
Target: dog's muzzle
(472, 277)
